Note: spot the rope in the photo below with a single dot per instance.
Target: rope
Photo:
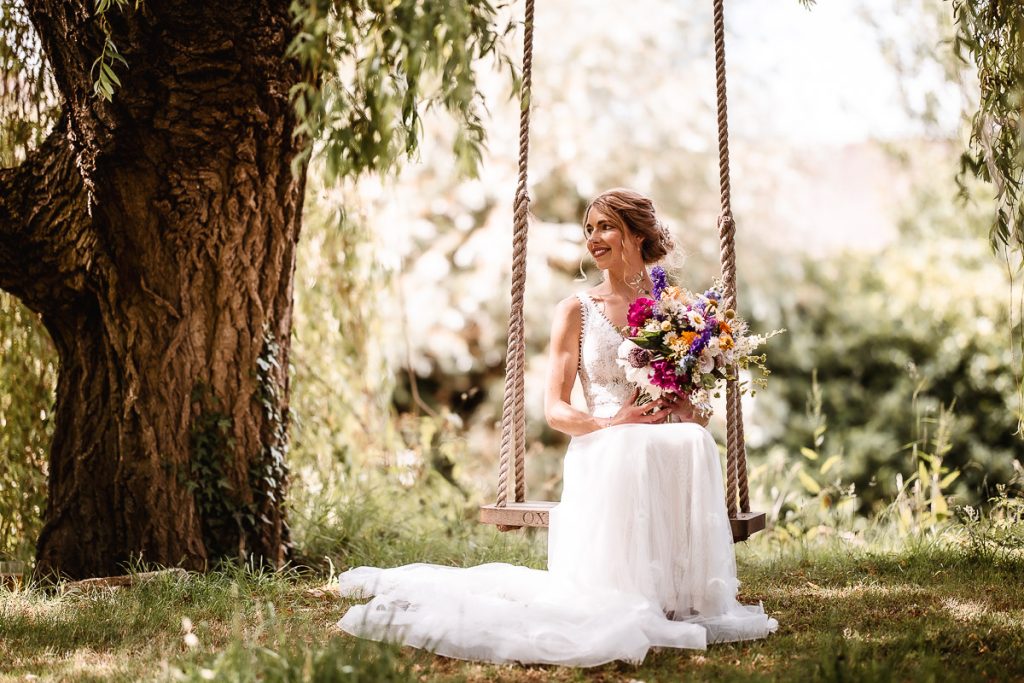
(736, 467)
(513, 412)
(727, 232)
(741, 459)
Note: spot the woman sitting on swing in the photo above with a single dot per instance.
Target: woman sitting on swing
(640, 550)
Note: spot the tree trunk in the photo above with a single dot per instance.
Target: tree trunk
(164, 227)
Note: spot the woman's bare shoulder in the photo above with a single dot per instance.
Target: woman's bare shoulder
(596, 293)
(569, 312)
(569, 307)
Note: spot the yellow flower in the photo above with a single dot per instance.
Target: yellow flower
(726, 342)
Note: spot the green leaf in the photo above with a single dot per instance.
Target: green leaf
(115, 55)
(109, 73)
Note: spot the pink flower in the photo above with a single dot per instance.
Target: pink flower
(663, 374)
(639, 312)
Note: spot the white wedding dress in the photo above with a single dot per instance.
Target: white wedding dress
(640, 553)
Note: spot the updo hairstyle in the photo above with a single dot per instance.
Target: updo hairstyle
(634, 214)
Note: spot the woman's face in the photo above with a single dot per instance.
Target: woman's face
(606, 242)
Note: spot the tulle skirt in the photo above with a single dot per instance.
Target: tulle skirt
(640, 554)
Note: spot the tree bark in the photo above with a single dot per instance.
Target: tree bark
(164, 227)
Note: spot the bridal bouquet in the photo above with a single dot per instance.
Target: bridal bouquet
(682, 343)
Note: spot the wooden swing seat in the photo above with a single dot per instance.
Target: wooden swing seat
(534, 513)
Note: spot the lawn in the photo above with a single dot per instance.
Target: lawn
(927, 611)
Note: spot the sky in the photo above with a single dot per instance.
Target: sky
(827, 77)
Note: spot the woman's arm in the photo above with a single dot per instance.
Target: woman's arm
(563, 361)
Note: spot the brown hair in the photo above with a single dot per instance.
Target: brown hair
(635, 212)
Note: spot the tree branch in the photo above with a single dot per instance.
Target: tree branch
(47, 241)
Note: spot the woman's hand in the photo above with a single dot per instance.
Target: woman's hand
(649, 413)
(681, 407)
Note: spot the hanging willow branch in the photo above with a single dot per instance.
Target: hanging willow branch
(990, 35)
(370, 70)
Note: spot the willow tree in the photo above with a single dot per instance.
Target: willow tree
(150, 219)
(990, 37)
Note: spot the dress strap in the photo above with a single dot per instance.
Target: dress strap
(585, 304)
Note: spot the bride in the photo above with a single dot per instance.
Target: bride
(640, 550)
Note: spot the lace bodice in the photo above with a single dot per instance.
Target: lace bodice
(604, 383)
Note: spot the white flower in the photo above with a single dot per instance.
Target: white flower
(623, 351)
(651, 390)
(696, 320)
(672, 307)
(701, 401)
(638, 376)
(706, 362)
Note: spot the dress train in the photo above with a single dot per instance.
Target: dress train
(641, 534)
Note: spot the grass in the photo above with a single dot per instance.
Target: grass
(926, 612)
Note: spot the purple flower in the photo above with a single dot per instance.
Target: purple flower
(702, 340)
(659, 280)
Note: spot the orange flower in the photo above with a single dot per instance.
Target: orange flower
(726, 341)
(688, 337)
(724, 327)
